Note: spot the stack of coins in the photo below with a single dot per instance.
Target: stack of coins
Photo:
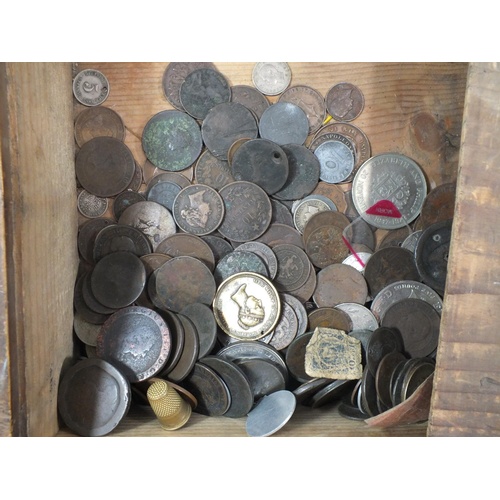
(247, 227)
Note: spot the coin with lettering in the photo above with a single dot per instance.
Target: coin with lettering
(90, 87)
(98, 121)
(345, 101)
(164, 193)
(286, 329)
(247, 306)
(336, 161)
(271, 78)
(284, 123)
(191, 245)
(306, 209)
(325, 246)
(293, 267)
(251, 98)
(90, 205)
(239, 261)
(265, 252)
(212, 171)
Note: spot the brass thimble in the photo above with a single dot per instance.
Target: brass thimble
(170, 408)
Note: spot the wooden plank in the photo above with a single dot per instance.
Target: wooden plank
(38, 154)
(469, 338)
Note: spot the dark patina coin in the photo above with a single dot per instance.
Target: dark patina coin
(293, 267)
(344, 101)
(284, 123)
(98, 121)
(263, 376)
(299, 310)
(172, 140)
(281, 213)
(384, 373)
(210, 390)
(329, 317)
(439, 204)
(382, 341)
(177, 340)
(238, 261)
(90, 299)
(212, 171)
(416, 377)
(286, 329)
(218, 245)
(124, 200)
(120, 238)
(351, 412)
(81, 307)
(136, 340)
(278, 234)
(368, 392)
(87, 234)
(304, 392)
(251, 98)
(202, 89)
(332, 392)
(203, 319)
(295, 357)
(265, 253)
(93, 397)
(164, 193)
(151, 263)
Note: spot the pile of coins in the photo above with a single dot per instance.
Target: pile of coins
(250, 225)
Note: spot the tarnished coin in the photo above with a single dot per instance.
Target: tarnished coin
(295, 357)
(263, 376)
(315, 197)
(333, 136)
(210, 390)
(248, 211)
(339, 283)
(393, 177)
(286, 329)
(175, 177)
(239, 261)
(224, 124)
(262, 162)
(151, 263)
(90, 298)
(90, 87)
(266, 253)
(202, 89)
(152, 219)
(333, 192)
(281, 214)
(284, 123)
(242, 397)
(81, 307)
(212, 171)
(416, 377)
(329, 317)
(410, 242)
(198, 209)
(136, 340)
(174, 75)
(191, 245)
(87, 233)
(325, 218)
(85, 331)
(331, 393)
(104, 166)
(383, 341)
(271, 78)
(93, 397)
(306, 209)
(177, 335)
(203, 319)
(336, 161)
(163, 193)
(345, 102)
(418, 322)
(310, 101)
(251, 98)
(394, 238)
(385, 369)
(305, 292)
(172, 140)
(184, 280)
(439, 204)
(299, 310)
(90, 205)
(305, 391)
(293, 267)
(325, 246)
(124, 200)
(218, 245)
(362, 318)
(247, 306)
(368, 393)
(98, 121)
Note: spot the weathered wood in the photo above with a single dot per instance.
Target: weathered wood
(466, 397)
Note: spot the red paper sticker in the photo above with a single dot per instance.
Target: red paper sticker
(385, 208)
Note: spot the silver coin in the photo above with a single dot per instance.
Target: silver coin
(358, 261)
(284, 123)
(90, 87)
(336, 161)
(393, 177)
(271, 414)
(410, 242)
(306, 209)
(362, 318)
(321, 197)
(90, 205)
(271, 78)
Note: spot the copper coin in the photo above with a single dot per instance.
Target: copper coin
(384, 373)
(151, 262)
(198, 209)
(329, 317)
(325, 246)
(394, 237)
(281, 214)
(212, 171)
(87, 234)
(382, 341)
(400, 375)
(224, 124)
(118, 279)
(174, 75)
(248, 211)
(389, 265)
(93, 397)
(416, 376)
(104, 166)
(295, 357)
(164, 193)
(279, 234)
(418, 322)
(177, 335)
(242, 397)
(203, 319)
(124, 200)
(90, 299)
(368, 393)
(233, 148)
(325, 218)
(137, 179)
(332, 392)
(175, 177)
(333, 192)
(218, 245)
(338, 283)
(350, 411)
(305, 292)
(188, 245)
(345, 102)
(299, 310)
(263, 376)
(304, 392)
(286, 329)
(251, 98)
(239, 261)
(210, 390)
(439, 204)
(293, 267)
(81, 307)
(136, 340)
(185, 280)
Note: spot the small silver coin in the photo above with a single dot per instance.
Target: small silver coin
(306, 209)
(271, 78)
(336, 161)
(90, 87)
(284, 123)
(90, 205)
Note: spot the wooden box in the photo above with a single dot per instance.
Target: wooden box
(443, 115)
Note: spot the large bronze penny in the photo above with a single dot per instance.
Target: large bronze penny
(279, 233)
(325, 246)
(151, 263)
(87, 234)
(329, 317)
(439, 204)
(120, 238)
(325, 218)
(98, 121)
(124, 200)
(344, 101)
(251, 98)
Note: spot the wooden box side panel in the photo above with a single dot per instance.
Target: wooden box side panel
(466, 396)
(41, 229)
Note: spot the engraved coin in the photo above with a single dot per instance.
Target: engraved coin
(306, 209)
(90, 205)
(136, 340)
(393, 177)
(202, 89)
(271, 78)
(104, 166)
(90, 87)
(93, 397)
(191, 245)
(239, 261)
(286, 329)
(198, 209)
(98, 121)
(284, 123)
(124, 200)
(325, 218)
(172, 140)
(325, 246)
(293, 267)
(251, 98)
(345, 102)
(164, 193)
(247, 306)
(336, 161)
(266, 253)
(212, 171)
(333, 136)
(362, 318)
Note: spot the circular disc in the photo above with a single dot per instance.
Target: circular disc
(284, 123)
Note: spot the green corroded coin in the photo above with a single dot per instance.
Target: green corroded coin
(172, 140)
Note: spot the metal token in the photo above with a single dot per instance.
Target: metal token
(164, 193)
(329, 317)
(203, 319)
(263, 376)
(286, 329)
(198, 209)
(362, 318)
(98, 121)
(295, 357)
(394, 177)
(284, 123)
(271, 414)
(104, 166)
(93, 397)
(262, 162)
(251, 98)
(247, 306)
(224, 124)
(212, 171)
(210, 390)
(124, 200)
(266, 253)
(382, 341)
(247, 211)
(136, 340)
(239, 261)
(90, 87)
(336, 161)
(293, 267)
(172, 140)
(242, 397)
(90, 205)
(271, 78)
(385, 369)
(418, 322)
(345, 102)
(202, 89)
(190, 245)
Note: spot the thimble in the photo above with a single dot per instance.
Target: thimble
(169, 407)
